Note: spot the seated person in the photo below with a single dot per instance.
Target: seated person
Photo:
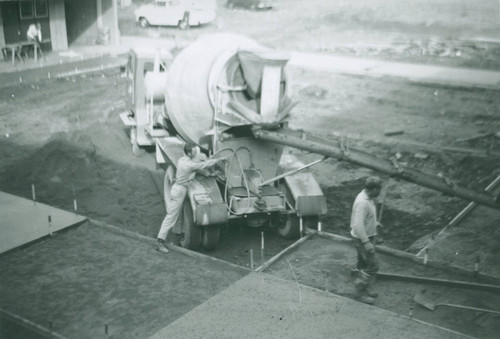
(34, 32)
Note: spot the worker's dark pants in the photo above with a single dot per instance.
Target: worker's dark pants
(367, 261)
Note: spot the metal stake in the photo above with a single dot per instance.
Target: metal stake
(262, 247)
(476, 266)
(33, 193)
(301, 226)
(50, 225)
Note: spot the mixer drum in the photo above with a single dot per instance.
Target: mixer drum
(192, 83)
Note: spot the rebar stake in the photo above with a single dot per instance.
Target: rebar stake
(251, 259)
(301, 227)
(262, 247)
(476, 266)
(33, 193)
(50, 225)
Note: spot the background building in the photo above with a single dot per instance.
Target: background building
(64, 22)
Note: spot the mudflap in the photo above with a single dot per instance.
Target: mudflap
(302, 191)
(206, 201)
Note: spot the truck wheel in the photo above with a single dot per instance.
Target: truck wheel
(143, 22)
(290, 227)
(191, 232)
(210, 237)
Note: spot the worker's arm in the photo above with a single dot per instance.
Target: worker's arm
(359, 211)
(195, 166)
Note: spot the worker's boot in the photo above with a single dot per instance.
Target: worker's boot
(160, 246)
(369, 291)
(361, 285)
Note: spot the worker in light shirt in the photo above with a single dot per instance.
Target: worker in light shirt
(34, 32)
(192, 162)
(364, 229)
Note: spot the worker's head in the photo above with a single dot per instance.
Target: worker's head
(38, 26)
(191, 150)
(373, 186)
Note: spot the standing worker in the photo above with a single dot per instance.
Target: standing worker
(364, 231)
(187, 166)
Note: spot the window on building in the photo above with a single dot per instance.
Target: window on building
(26, 9)
(30, 9)
(41, 9)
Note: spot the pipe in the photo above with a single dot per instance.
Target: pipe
(303, 141)
(290, 172)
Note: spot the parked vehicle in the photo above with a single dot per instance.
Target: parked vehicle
(174, 13)
(250, 4)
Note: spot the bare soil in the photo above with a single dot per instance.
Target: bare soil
(65, 136)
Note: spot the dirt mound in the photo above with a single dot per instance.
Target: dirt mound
(69, 167)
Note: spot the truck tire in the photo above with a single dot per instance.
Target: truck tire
(290, 227)
(210, 237)
(191, 233)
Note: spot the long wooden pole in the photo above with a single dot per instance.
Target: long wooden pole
(280, 254)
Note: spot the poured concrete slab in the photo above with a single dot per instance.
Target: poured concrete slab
(23, 220)
(264, 306)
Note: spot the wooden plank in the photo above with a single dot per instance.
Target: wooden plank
(444, 282)
(28, 324)
(280, 254)
(152, 241)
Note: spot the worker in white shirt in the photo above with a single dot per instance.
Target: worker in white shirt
(34, 32)
(364, 230)
(192, 162)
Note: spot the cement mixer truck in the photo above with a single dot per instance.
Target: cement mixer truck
(231, 96)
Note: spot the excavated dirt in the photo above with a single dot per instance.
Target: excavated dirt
(66, 138)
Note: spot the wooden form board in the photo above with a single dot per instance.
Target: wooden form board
(22, 221)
